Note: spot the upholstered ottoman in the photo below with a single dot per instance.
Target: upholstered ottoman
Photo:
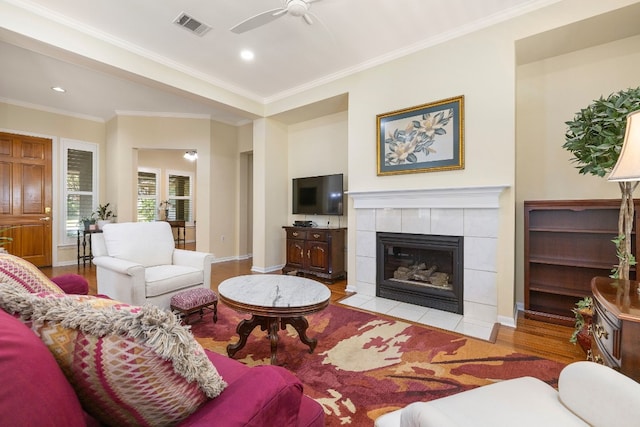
(195, 301)
(72, 284)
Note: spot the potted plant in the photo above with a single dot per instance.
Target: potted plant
(165, 205)
(595, 137)
(583, 312)
(104, 215)
(88, 221)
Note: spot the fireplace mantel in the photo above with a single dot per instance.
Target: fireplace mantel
(466, 197)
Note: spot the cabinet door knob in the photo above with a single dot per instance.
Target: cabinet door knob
(316, 235)
(294, 234)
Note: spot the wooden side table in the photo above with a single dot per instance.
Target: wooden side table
(84, 241)
(615, 329)
(180, 226)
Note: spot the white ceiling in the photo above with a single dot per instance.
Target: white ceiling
(290, 55)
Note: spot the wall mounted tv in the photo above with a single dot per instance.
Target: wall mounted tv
(318, 195)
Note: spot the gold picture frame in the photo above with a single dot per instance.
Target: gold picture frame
(424, 138)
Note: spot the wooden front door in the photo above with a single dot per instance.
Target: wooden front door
(25, 196)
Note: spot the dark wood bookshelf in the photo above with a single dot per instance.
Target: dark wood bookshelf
(567, 243)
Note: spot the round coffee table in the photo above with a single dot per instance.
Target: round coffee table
(274, 301)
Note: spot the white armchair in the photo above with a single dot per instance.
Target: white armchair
(137, 263)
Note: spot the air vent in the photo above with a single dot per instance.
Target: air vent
(190, 24)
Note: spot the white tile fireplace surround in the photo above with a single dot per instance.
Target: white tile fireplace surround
(468, 212)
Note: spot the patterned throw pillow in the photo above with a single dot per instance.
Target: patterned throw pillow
(22, 273)
(129, 365)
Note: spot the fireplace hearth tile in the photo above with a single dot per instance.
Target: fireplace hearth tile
(356, 300)
(408, 311)
(441, 319)
(379, 305)
(475, 329)
(430, 317)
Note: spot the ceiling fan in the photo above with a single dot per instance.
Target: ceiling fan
(297, 8)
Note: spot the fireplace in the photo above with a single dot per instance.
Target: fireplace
(421, 269)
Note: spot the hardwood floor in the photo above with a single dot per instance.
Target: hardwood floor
(530, 336)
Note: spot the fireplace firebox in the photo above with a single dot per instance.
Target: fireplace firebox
(421, 269)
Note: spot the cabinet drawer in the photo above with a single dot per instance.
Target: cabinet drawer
(606, 333)
(296, 234)
(320, 236)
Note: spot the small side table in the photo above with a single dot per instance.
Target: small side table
(82, 245)
(180, 226)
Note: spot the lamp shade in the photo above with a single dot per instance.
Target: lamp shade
(627, 167)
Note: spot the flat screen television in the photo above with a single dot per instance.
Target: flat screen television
(318, 195)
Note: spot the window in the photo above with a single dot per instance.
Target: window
(147, 194)
(81, 188)
(180, 196)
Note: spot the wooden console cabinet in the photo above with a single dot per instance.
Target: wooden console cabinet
(615, 330)
(566, 244)
(316, 251)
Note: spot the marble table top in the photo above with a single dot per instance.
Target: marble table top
(274, 291)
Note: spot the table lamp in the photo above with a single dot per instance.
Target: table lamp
(626, 173)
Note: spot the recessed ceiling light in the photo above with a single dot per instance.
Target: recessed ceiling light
(59, 89)
(247, 55)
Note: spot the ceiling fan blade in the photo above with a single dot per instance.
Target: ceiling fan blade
(307, 19)
(258, 20)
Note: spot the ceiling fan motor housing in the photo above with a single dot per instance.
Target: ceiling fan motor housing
(297, 7)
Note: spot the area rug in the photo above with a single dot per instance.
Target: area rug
(366, 365)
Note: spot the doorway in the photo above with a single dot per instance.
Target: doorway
(26, 197)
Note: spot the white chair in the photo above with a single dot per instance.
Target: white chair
(137, 263)
(588, 394)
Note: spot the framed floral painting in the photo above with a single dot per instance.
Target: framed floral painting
(425, 138)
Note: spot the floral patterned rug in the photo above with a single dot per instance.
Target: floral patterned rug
(366, 365)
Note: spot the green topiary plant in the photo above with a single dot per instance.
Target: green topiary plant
(595, 137)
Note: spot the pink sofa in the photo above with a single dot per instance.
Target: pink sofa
(37, 391)
(40, 394)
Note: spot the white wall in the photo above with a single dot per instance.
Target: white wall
(318, 147)
(223, 189)
(126, 134)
